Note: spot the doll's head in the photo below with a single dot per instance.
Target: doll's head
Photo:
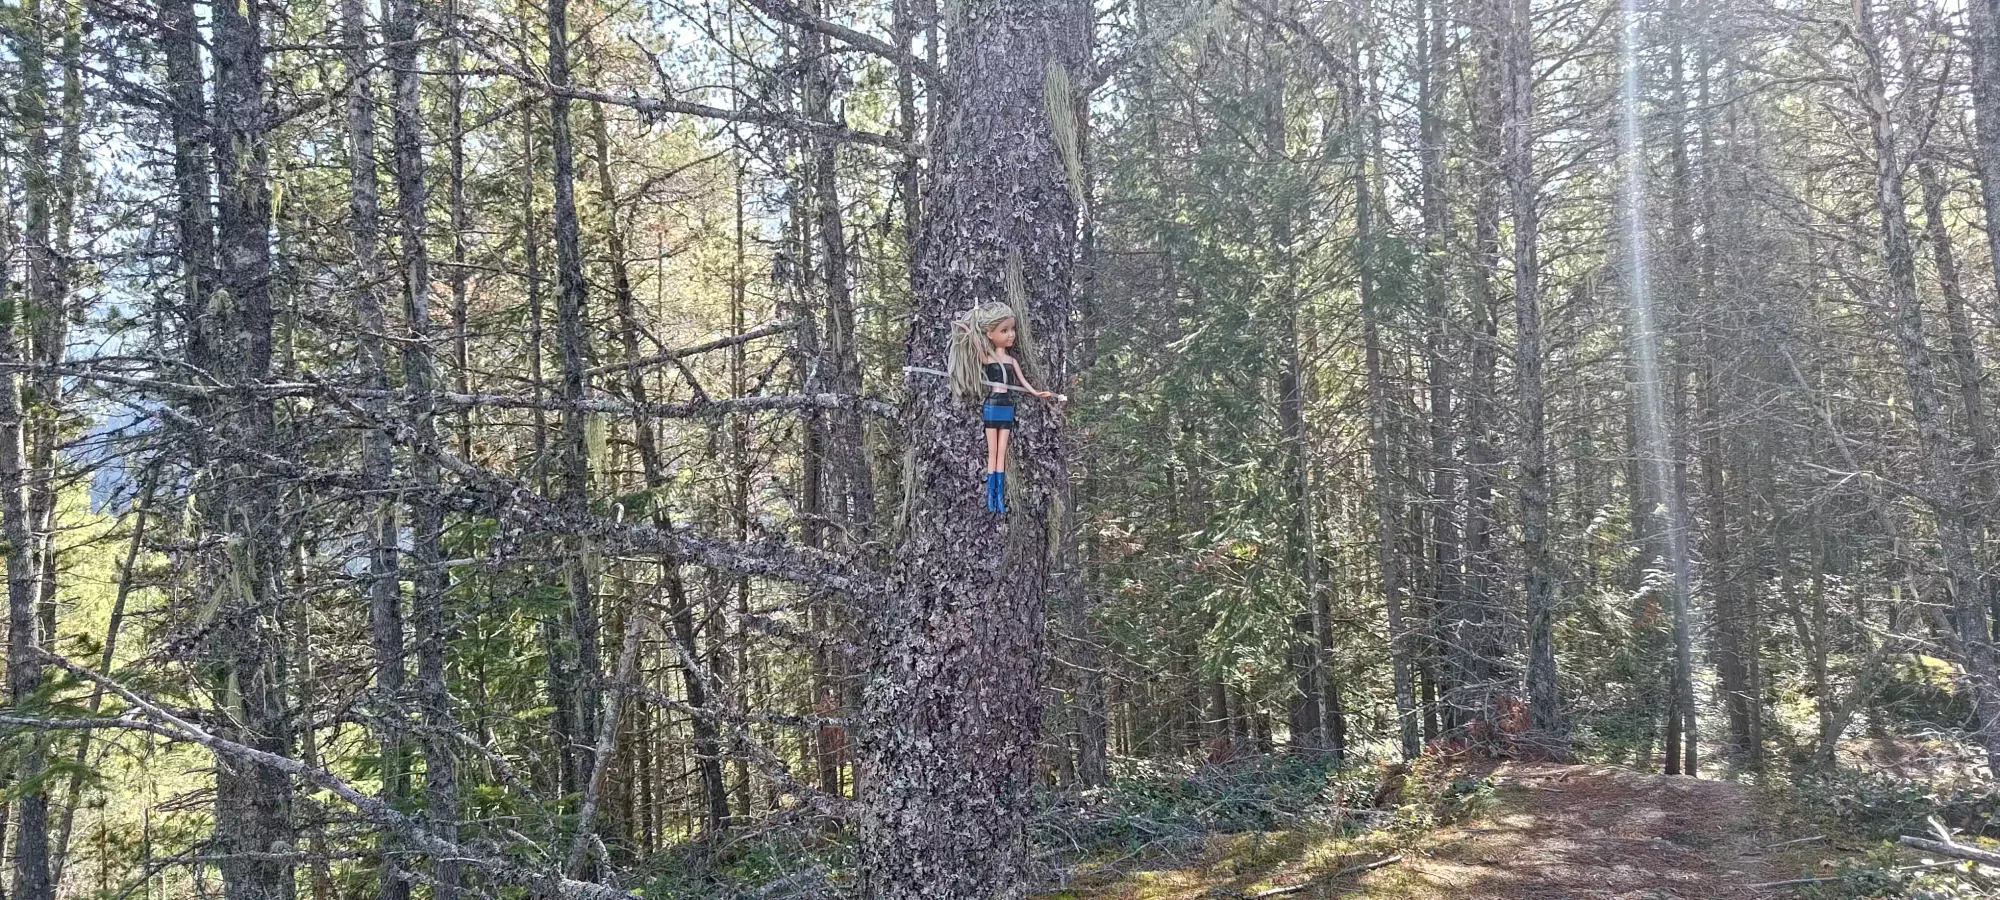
(977, 333)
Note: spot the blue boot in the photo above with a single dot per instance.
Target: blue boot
(1000, 492)
(992, 493)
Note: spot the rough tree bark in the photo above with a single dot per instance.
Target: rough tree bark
(955, 707)
(253, 827)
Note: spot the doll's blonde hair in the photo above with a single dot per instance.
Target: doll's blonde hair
(970, 346)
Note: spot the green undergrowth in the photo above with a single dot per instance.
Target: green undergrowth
(1863, 812)
(1157, 830)
(1162, 831)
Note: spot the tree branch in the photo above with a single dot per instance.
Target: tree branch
(660, 107)
(789, 13)
(168, 725)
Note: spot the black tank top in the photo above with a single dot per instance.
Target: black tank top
(1004, 374)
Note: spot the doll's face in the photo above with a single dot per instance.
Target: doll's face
(1002, 335)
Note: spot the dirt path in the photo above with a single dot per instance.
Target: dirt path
(1551, 832)
(1592, 833)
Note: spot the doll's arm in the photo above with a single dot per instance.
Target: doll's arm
(1024, 382)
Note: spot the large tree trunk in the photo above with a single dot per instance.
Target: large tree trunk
(955, 708)
(253, 826)
(1957, 523)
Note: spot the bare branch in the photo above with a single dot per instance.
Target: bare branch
(765, 330)
(661, 107)
(169, 725)
(789, 13)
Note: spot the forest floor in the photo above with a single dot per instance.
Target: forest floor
(1547, 832)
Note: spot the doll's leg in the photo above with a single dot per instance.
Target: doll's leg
(1000, 474)
(993, 437)
(996, 452)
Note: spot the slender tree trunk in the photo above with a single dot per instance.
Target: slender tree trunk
(253, 823)
(1085, 658)
(1309, 723)
(194, 226)
(1931, 165)
(1478, 636)
(430, 581)
(379, 529)
(1957, 523)
(127, 574)
(1389, 504)
(26, 630)
(955, 708)
(854, 490)
(578, 640)
(1446, 550)
(1984, 17)
(1544, 695)
(707, 744)
(31, 878)
(461, 226)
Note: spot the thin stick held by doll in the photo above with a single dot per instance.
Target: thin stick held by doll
(981, 363)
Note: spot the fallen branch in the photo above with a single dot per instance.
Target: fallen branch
(1953, 849)
(1343, 873)
(1794, 882)
(1803, 840)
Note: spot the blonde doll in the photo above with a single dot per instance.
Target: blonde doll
(982, 364)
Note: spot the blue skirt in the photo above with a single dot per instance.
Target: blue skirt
(999, 416)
